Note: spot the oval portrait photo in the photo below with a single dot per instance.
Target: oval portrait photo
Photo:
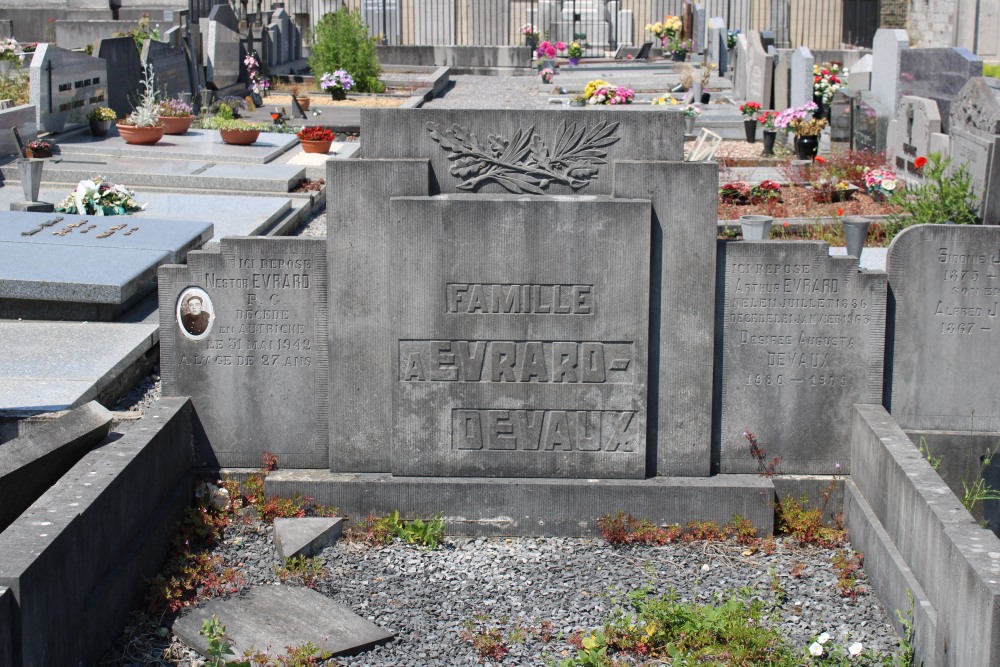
(195, 313)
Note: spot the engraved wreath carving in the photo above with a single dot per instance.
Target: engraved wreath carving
(525, 163)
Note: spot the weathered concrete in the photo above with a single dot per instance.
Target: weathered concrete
(306, 536)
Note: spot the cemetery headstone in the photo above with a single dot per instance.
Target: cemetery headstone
(283, 23)
(975, 132)
(698, 29)
(859, 76)
(915, 132)
(250, 315)
(887, 46)
(976, 108)
(65, 86)
(782, 78)
(945, 286)
(767, 39)
(170, 67)
(740, 73)
(222, 48)
(937, 74)
(717, 50)
(802, 342)
(870, 120)
(801, 77)
(759, 72)
(125, 77)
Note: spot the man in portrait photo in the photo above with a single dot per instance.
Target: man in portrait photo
(193, 316)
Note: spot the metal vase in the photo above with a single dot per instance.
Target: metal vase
(756, 227)
(689, 124)
(855, 233)
(31, 177)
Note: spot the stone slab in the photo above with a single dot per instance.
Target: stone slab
(52, 366)
(195, 144)
(170, 67)
(32, 206)
(945, 287)
(23, 118)
(65, 86)
(802, 338)
(535, 507)
(82, 555)
(261, 343)
(955, 560)
(306, 536)
(887, 47)
(31, 463)
(521, 327)
(276, 616)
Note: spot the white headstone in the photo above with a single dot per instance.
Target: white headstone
(760, 70)
(860, 74)
(885, 65)
(740, 72)
(910, 133)
(801, 89)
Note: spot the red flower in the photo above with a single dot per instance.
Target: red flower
(840, 212)
(820, 159)
(920, 162)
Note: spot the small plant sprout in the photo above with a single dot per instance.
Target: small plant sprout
(765, 468)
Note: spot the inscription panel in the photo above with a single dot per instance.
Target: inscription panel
(945, 283)
(802, 341)
(521, 328)
(243, 332)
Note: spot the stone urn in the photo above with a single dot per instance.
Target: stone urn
(756, 227)
(30, 172)
(140, 136)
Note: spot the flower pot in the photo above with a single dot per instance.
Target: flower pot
(320, 146)
(303, 102)
(338, 93)
(689, 124)
(546, 62)
(99, 128)
(769, 137)
(750, 128)
(176, 124)
(30, 172)
(531, 43)
(705, 97)
(573, 62)
(37, 154)
(806, 147)
(239, 137)
(695, 93)
(756, 227)
(855, 233)
(140, 136)
(679, 56)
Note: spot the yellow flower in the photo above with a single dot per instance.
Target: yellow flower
(651, 629)
(589, 642)
(588, 92)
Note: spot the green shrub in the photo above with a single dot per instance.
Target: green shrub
(946, 194)
(341, 41)
(991, 70)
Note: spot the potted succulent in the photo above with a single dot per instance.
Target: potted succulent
(38, 149)
(143, 126)
(300, 97)
(234, 131)
(315, 139)
(176, 115)
(337, 84)
(100, 119)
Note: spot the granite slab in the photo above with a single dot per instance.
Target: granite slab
(192, 145)
(50, 366)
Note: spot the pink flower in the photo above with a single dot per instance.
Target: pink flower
(550, 51)
(560, 46)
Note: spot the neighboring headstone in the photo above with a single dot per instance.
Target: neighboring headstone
(767, 39)
(944, 281)
(282, 22)
(251, 315)
(782, 79)
(33, 462)
(6, 621)
(886, 49)
(976, 108)
(717, 50)
(305, 537)
(870, 120)
(22, 118)
(859, 76)
(698, 29)
(222, 48)
(980, 158)
(279, 616)
(760, 69)
(124, 76)
(170, 67)
(740, 71)
(802, 342)
(912, 132)
(801, 77)
(65, 86)
(937, 74)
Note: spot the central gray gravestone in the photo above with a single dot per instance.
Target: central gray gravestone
(243, 333)
(522, 346)
(944, 282)
(222, 48)
(802, 338)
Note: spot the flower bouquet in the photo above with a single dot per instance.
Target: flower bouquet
(731, 39)
(880, 183)
(827, 80)
(258, 85)
(679, 48)
(750, 110)
(38, 149)
(741, 192)
(547, 75)
(530, 34)
(602, 92)
(100, 119)
(95, 197)
(575, 52)
(691, 111)
(665, 29)
(337, 84)
(9, 49)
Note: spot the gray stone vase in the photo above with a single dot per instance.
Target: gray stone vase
(31, 177)
(756, 227)
(855, 233)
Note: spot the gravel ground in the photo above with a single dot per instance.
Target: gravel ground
(568, 584)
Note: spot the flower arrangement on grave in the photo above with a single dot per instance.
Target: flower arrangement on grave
(9, 49)
(225, 120)
(679, 47)
(29, 48)
(766, 120)
(38, 149)
(750, 110)
(665, 99)
(97, 197)
(529, 32)
(731, 38)
(602, 92)
(547, 75)
(315, 133)
(548, 50)
(175, 108)
(827, 81)
(575, 50)
(337, 84)
(741, 192)
(666, 29)
(880, 183)
(145, 114)
(797, 120)
(258, 84)
(102, 114)
(691, 111)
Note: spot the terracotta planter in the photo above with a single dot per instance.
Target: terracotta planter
(239, 137)
(321, 146)
(303, 102)
(141, 136)
(176, 124)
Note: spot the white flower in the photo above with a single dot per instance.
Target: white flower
(823, 638)
(816, 649)
(855, 649)
(83, 190)
(889, 184)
